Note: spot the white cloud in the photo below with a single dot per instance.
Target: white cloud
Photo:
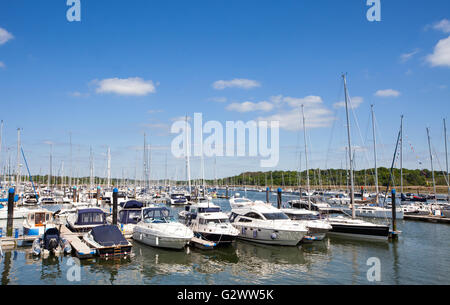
(154, 111)
(387, 93)
(407, 56)
(443, 25)
(441, 54)
(236, 83)
(250, 106)
(5, 36)
(355, 102)
(315, 117)
(135, 86)
(316, 114)
(180, 118)
(217, 99)
(2, 64)
(308, 100)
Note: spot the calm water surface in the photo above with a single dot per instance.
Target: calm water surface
(421, 256)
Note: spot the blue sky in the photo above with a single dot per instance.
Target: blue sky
(59, 77)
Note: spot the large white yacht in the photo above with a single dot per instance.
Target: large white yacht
(209, 222)
(266, 224)
(158, 229)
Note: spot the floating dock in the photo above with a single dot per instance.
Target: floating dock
(202, 244)
(81, 249)
(428, 218)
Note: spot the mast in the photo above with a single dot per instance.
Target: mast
(431, 159)
(71, 165)
(375, 151)
(446, 162)
(306, 157)
(91, 178)
(108, 182)
(18, 161)
(352, 195)
(188, 167)
(401, 154)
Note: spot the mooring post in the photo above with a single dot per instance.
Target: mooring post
(279, 198)
(394, 215)
(9, 224)
(98, 193)
(267, 194)
(115, 195)
(226, 195)
(74, 194)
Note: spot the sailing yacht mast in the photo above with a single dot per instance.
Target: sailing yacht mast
(446, 162)
(71, 167)
(352, 194)
(108, 182)
(401, 155)
(306, 157)
(431, 159)
(18, 161)
(375, 152)
(188, 167)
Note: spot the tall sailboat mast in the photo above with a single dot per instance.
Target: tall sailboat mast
(306, 158)
(401, 154)
(446, 162)
(352, 193)
(188, 147)
(431, 160)
(71, 167)
(1, 141)
(18, 161)
(375, 151)
(108, 182)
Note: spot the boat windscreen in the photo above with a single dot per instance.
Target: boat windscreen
(208, 210)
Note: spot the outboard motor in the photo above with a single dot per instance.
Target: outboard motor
(51, 239)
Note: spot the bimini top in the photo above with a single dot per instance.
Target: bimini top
(132, 204)
(90, 217)
(108, 236)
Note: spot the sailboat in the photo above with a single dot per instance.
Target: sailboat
(352, 227)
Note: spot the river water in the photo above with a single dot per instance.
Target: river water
(420, 256)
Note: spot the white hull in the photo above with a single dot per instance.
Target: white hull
(162, 242)
(265, 236)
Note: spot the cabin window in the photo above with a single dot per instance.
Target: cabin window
(244, 220)
(40, 218)
(253, 215)
(47, 217)
(275, 216)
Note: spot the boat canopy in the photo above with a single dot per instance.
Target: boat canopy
(108, 236)
(90, 217)
(129, 216)
(131, 204)
(156, 212)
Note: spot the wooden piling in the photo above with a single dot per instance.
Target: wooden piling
(9, 224)
(115, 195)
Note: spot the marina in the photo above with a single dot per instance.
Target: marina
(223, 143)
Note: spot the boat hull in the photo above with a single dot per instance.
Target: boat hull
(360, 232)
(177, 243)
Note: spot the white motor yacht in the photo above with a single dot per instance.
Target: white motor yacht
(158, 228)
(209, 222)
(317, 227)
(266, 224)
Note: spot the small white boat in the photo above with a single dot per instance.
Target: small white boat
(108, 241)
(158, 228)
(37, 222)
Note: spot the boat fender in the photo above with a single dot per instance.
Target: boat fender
(243, 231)
(274, 235)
